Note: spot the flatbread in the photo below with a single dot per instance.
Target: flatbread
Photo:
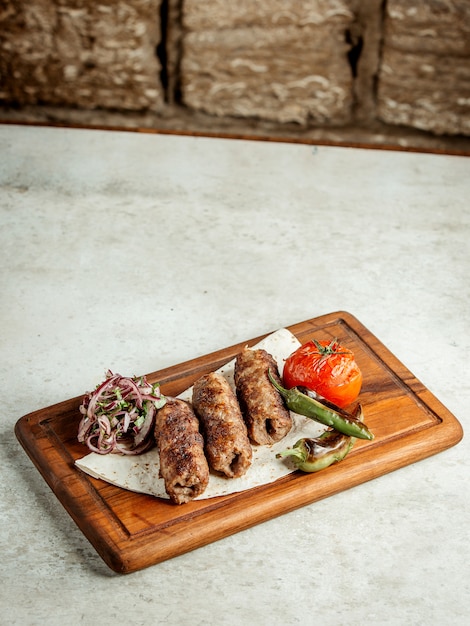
(141, 473)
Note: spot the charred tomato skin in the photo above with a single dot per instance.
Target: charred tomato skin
(327, 368)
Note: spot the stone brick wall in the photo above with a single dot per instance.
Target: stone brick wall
(80, 53)
(311, 63)
(281, 61)
(424, 77)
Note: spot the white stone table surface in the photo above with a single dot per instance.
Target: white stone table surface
(136, 251)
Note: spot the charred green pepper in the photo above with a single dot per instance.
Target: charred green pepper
(324, 412)
(313, 455)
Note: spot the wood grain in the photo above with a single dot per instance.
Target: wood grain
(131, 531)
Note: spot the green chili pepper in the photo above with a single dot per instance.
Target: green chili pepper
(313, 455)
(324, 412)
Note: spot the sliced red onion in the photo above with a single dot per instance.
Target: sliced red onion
(118, 417)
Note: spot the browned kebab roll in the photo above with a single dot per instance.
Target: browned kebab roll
(227, 446)
(265, 415)
(183, 465)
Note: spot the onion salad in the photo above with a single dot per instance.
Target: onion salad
(119, 415)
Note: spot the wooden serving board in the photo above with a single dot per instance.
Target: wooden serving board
(131, 531)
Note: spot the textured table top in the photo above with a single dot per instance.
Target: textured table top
(136, 251)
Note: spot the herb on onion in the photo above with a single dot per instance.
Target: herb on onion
(119, 415)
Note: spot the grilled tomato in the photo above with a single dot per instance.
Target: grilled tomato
(327, 368)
